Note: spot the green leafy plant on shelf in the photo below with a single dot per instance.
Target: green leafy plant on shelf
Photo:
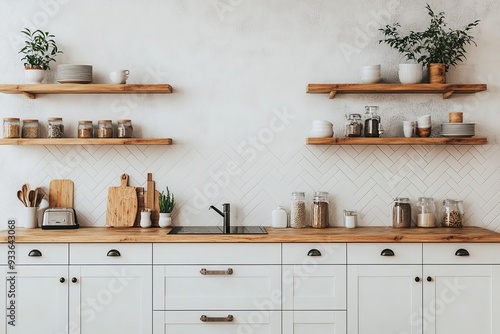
(436, 44)
(40, 49)
(167, 201)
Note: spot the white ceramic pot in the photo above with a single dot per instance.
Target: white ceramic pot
(165, 220)
(145, 219)
(410, 73)
(34, 76)
(29, 217)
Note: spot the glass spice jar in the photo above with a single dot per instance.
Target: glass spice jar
(401, 213)
(124, 128)
(426, 212)
(372, 122)
(298, 210)
(319, 211)
(11, 127)
(55, 128)
(31, 128)
(105, 128)
(85, 129)
(453, 213)
(353, 126)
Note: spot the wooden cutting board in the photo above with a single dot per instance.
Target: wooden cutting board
(122, 204)
(61, 193)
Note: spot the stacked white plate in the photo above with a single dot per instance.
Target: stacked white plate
(68, 73)
(458, 130)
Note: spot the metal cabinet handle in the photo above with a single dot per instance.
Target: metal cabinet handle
(62, 280)
(74, 280)
(462, 252)
(429, 279)
(114, 252)
(314, 252)
(417, 279)
(229, 271)
(35, 253)
(387, 252)
(229, 318)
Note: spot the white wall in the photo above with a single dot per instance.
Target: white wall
(239, 115)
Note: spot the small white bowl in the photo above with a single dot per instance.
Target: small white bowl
(370, 80)
(371, 67)
(321, 133)
(319, 122)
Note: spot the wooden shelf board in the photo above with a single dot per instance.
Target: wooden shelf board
(396, 141)
(446, 89)
(31, 90)
(86, 141)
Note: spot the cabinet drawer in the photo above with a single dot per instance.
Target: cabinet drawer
(110, 253)
(42, 254)
(213, 253)
(314, 253)
(221, 287)
(379, 253)
(461, 253)
(314, 322)
(189, 322)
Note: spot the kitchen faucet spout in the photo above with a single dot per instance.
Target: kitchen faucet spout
(216, 210)
(226, 217)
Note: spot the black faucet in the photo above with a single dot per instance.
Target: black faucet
(226, 217)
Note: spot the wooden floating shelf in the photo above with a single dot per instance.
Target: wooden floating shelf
(396, 141)
(31, 90)
(446, 89)
(86, 141)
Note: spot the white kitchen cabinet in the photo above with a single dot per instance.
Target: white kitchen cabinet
(216, 322)
(317, 322)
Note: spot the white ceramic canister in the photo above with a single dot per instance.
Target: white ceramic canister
(279, 217)
(145, 219)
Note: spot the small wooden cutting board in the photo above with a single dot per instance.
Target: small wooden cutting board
(61, 193)
(122, 204)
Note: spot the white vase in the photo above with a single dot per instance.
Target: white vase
(165, 219)
(34, 76)
(29, 217)
(410, 73)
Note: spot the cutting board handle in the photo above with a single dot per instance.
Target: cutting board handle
(124, 180)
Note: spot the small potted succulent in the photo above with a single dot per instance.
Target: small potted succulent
(437, 47)
(167, 203)
(39, 50)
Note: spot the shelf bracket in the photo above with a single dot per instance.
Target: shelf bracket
(29, 95)
(447, 95)
(332, 94)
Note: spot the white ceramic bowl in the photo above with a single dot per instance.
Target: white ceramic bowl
(316, 133)
(371, 67)
(319, 122)
(370, 79)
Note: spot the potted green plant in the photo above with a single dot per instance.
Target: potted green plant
(437, 47)
(167, 203)
(39, 50)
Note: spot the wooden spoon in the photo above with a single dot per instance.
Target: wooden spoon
(21, 197)
(32, 198)
(25, 189)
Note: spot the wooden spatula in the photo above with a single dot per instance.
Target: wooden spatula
(122, 204)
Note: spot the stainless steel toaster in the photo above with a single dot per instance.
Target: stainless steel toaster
(59, 218)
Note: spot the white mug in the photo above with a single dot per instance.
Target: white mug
(408, 131)
(145, 219)
(119, 77)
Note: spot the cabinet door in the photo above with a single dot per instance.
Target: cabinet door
(314, 322)
(41, 300)
(110, 299)
(384, 299)
(461, 299)
(314, 287)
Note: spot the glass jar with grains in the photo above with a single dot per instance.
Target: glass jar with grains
(124, 128)
(401, 213)
(426, 212)
(11, 127)
(453, 213)
(55, 128)
(319, 211)
(85, 129)
(31, 128)
(298, 210)
(105, 128)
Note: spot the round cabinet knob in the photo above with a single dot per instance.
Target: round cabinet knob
(417, 279)
(62, 280)
(74, 280)
(429, 279)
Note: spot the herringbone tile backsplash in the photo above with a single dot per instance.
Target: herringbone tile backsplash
(365, 178)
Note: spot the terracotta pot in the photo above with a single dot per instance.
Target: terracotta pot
(437, 73)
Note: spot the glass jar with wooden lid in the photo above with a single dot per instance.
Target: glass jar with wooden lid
(85, 129)
(11, 127)
(31, 128)
(104, 128)
(124, 128)
(55, 128)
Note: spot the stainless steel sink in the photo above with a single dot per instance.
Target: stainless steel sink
(217, 230)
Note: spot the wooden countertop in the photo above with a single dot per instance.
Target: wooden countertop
(335, 234)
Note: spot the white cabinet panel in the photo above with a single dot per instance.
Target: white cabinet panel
(384, 299)
(111, 253)
(314, 253)
(314, 322)
(247, 287)
(461, 299)
(111, 299)
(189, 322)
(217, 253)
(314, 287)
(38, 253)
(461, 253)
(384, 253)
